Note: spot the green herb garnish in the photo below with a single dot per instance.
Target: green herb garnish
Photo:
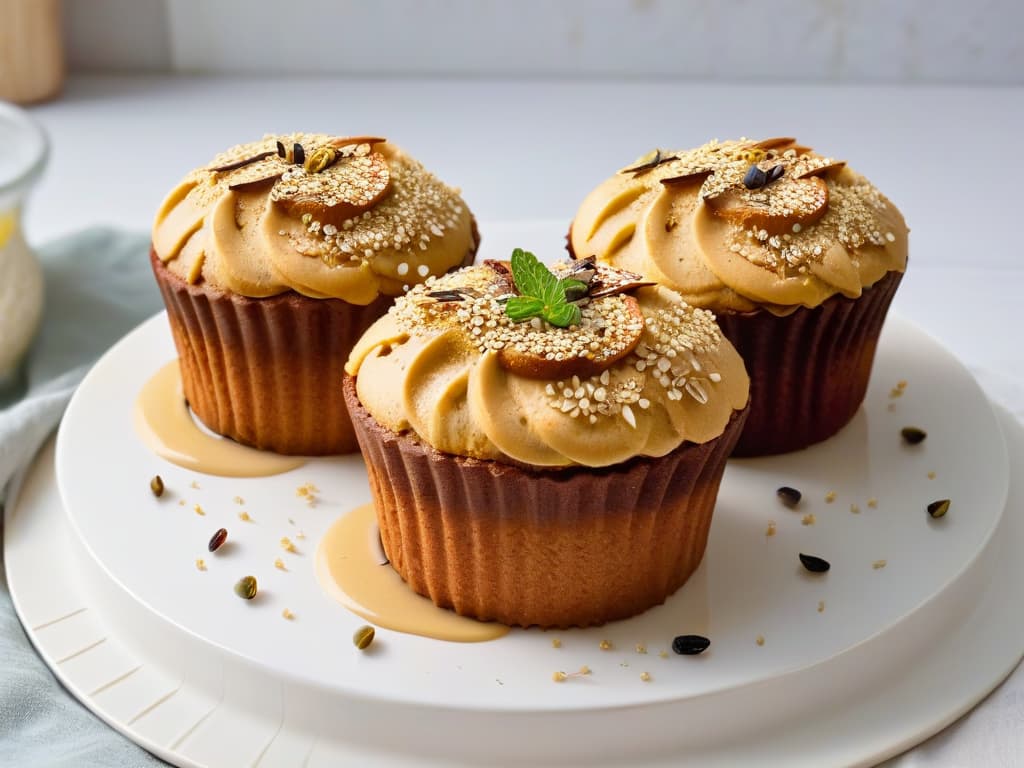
(542, 293)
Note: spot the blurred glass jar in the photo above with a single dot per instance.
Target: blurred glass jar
(31, 50)
(23, 152)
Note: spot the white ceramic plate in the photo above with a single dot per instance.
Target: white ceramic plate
(172, 657)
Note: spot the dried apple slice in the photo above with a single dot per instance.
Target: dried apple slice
(339, 192)
(585, 351)
(775, 208)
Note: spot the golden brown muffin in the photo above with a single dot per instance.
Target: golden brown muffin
(275, 257)
(797, 255)
(537, 474)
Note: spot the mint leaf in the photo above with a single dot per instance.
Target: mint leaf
(562, 315)
(543, 294)
(521, 308)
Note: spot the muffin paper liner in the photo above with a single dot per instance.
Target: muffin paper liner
(551, 547)
(809, 371)
(266, 372)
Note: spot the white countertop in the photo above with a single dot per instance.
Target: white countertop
(949, 157)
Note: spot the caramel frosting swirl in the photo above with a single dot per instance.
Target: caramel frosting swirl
(434, 366)
(739, 226)
(328, 217)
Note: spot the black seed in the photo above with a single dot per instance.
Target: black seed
(447, 295)
(246, 587)
(755, 178)
(218, 539)
(281, 151)
(298, 154)
(775, 173)
(789, 496)
(939, 508)
(814, 564)
(690, 645)
(913, 435)
(156, 485)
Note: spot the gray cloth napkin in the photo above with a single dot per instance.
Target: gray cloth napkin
(98, 287)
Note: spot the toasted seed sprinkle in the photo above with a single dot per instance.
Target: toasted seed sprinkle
(931, 475)
(770, 531)
(759, 640)
(901, 384)
(605, 645)
(645, 676)
(286, 614)
(181, 502)
(194, 485)
(808, 519)
(873, 502)
(279, 564)
(913, 435)
(821, 606)
(300, 534)
(663, 654)
(879, 564)
(855, 509)
(287, 545)
(559, 677)
(789, 496)
(830, 497)
(814, 564)
(556, 643)
(239, 500)
(199, 510)
(641, 648)
(244, 517)
(200, 564)
(895, 392)
(156, 485)
(217, 540)
(584, 670)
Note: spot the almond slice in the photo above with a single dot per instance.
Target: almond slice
(687, 178)
(618, 342)
(347, 141)
(826, 169)
(608, 281)
(776, 208)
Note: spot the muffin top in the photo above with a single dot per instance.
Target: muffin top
(329, 217)
(744, 225)
(579, 365)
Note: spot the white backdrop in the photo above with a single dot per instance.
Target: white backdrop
(893, 41)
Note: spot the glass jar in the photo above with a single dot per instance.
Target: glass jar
(23, 152)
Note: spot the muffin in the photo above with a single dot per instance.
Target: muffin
(796, 254)
(272, 261)
(545, 448)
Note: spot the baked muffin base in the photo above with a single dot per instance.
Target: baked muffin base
(266, 372)
(809, 370)
(554, 548)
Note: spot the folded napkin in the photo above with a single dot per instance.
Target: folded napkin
(98, 287)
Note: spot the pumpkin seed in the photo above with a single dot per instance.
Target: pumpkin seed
(246, 587)
(156, 485)
(814, 564)
(690, 645)
(363, 637)
(939, 508)
(755, 178)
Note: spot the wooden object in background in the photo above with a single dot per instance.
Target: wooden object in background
(31, 50)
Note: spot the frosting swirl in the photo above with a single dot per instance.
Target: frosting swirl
(741, 225)
(450, 370)
(327, 217)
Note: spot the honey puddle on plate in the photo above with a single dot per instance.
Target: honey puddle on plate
(163, 421)
(351, 568)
